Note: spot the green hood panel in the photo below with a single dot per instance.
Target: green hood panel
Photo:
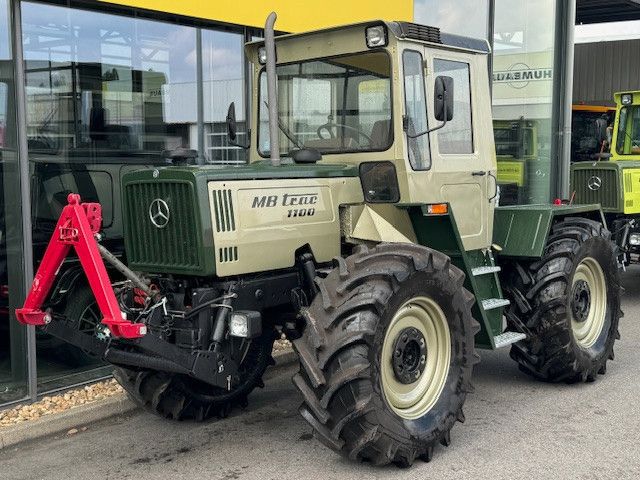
(185, 244)
(262, 170)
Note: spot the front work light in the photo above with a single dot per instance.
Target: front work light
(245, 324)
(626, 98)
(376, 36)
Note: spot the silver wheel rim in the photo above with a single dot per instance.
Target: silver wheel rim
(415, 399)
(587, 329)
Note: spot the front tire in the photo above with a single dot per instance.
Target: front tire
(180, 397)
(571, 304)
(387, 354)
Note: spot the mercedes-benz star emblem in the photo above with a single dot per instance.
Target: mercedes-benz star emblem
(594, 183)
(159, 213)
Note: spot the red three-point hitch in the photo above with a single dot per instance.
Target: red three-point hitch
(76, 228)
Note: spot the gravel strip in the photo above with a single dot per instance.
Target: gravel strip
(59, 403)
(53, 404)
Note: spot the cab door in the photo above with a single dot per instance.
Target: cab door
(463, 166)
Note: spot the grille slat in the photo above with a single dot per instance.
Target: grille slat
(174, 247)
(606, 195)
(223, 208)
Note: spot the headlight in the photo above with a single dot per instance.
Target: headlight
(634, 239)
(262, 55)
(379, 182)
(626, 98)
(376, 36)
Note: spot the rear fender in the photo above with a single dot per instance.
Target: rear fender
(521, 231)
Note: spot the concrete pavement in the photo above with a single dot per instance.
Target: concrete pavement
(516, 428)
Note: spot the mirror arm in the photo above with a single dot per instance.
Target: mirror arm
(416, 135)
(244, 146)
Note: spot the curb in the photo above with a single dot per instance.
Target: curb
(93, 412)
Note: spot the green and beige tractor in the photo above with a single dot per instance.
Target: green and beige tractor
(365, 229)
(612, 178)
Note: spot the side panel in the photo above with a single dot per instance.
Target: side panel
(259, 224)
(631, 181)
(522, 230)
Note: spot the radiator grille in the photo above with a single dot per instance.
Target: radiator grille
(608, 193)
(175, 247)
(223, 210)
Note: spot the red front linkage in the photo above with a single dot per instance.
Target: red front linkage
(77, 226)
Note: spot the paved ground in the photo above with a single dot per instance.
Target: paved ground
(515, 428)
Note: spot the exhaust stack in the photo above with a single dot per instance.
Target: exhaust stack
(272, 88)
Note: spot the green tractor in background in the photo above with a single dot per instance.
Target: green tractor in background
(613, 178)
(523, 162)
(365, 229)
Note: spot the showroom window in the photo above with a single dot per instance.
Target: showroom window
(106, 94)
(13, 336)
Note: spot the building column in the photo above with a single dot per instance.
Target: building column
(562, 98)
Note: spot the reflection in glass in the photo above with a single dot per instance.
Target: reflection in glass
(522, 98)
(13, 352)
(223, 83)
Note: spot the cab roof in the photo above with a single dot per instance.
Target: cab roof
(403, 31)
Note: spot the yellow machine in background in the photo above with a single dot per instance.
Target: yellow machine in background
(613, 178)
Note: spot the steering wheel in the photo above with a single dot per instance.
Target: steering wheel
(329, 125)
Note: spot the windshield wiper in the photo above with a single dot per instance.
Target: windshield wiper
(288, 133)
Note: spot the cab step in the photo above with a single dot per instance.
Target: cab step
(507, 338)
(493, 303)
(478, 271)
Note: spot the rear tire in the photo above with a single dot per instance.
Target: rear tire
(180, 397)
(356, 325)
(572, 304)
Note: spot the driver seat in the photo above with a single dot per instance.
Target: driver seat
(380, 135)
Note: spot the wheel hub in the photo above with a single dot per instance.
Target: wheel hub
(409, 355)
(581, 301)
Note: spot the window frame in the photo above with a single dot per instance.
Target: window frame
(342, 152)
(473, 151)
(426, 112)
(631, 113)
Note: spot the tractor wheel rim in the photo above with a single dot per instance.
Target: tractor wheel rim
(417, 319)
(588, 302)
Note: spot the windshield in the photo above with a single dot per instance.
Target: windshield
(335, 105)
(628, 142)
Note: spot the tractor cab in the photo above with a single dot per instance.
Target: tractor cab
(394, 99)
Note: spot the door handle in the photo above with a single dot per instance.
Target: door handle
(479, 173)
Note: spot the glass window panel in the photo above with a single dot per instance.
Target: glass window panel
(336, 105)
(223, 83)
(628, 142)
(105, 94)
(416, 110)
(456, 137)
(523, 79)
(462, 17)
(13, 351)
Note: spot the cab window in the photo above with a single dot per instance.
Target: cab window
(457, 136)
(628, 142)
(416, 110)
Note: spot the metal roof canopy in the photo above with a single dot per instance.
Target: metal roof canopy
(601, 11)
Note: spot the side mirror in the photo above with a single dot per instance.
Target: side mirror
(232, 129)
(443, 98)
